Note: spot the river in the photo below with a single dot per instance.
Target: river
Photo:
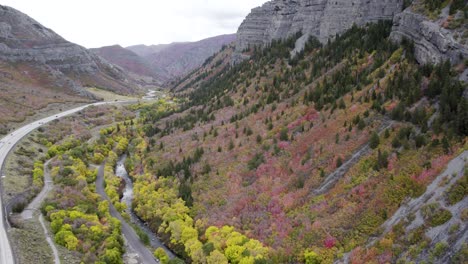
(127, 198)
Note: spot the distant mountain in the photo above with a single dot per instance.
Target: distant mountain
(144, 50)
(127, 59)
(171, 61)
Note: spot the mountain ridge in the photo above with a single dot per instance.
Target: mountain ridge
(25, 40)
(173, 61)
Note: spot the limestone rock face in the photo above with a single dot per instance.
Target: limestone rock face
(433, 43)
(320, 18)
(24, 40)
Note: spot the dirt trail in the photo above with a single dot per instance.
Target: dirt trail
(34, 206)
(49, 240)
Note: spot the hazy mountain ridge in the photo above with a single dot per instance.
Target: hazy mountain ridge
(126, 59)
(172, 61)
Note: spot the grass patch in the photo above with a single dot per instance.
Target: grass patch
(109, 96)
(141, 234)
(459, 190)
(19, 166)
(435, 215)
(30, 243)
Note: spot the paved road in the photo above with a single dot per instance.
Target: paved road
(6, 145)
(132, 238)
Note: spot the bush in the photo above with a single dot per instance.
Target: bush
(312, 258)
(256, 161)
(160, 254)
(435, 215)
(439, 249)
(458, 191)
(284, 134)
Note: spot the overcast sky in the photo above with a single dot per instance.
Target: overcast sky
(96, 23)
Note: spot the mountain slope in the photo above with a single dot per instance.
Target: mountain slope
(174, 60)
(24, 40)
(126, 59)
(38, 67)
(309, 155)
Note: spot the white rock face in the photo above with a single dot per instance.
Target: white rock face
(320, 18)
(433, 43)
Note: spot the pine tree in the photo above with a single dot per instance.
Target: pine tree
(462, 117)
(374, 140)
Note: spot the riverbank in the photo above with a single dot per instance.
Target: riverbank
(127, 198)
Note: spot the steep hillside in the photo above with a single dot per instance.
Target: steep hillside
(25, 40)
(128, 60)
(175, 60)
(213, 66)
(310, 156)
(38, 67)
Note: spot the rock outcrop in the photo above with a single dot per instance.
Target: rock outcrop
(433, 43)
(24, 40)
(323, 19)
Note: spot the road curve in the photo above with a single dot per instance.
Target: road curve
(6, 145)
(144, 254)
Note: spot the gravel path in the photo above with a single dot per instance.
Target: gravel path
(35, 205)
(49, 240)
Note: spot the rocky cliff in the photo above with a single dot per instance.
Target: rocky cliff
(320, 18)
(435, 40)
(24, 40)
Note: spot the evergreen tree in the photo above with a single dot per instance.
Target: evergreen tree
(374, 140)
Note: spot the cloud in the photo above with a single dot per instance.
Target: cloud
(105, 22)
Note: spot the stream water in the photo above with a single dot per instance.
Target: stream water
(127, 198)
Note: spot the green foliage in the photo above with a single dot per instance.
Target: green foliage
(433, 5)
(457, 5)
(374, 140)
(38, 174)
(255, 161)
(160, 254)
(439, 249)
(458, 191)
(339, 162)
(435, 215)
(284, 134)
(382, 160)
(312, 258)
